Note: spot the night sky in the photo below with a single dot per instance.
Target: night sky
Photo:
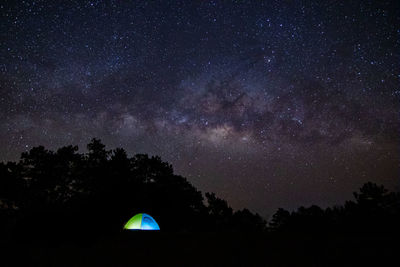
(267, 103)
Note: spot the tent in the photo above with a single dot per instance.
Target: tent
(141, 221)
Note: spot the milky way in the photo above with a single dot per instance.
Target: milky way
(269, 104)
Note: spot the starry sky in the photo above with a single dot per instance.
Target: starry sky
(267, 103)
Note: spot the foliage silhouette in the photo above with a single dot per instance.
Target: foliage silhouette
(82, 195)
(72, 195)
(375, 211)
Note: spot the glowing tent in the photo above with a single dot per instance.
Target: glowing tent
(141, 221)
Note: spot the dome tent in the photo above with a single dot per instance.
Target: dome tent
(141, 221)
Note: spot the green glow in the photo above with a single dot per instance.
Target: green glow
(134, 223)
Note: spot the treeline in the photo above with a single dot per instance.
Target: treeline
(374, 211)
(73, 194)
(65, 193)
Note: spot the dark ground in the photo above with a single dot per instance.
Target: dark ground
(207, 249)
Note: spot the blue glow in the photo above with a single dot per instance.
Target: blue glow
(148, 223)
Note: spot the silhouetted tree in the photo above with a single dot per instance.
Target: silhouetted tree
(280, 219)
(220, 213)
(245, 221)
